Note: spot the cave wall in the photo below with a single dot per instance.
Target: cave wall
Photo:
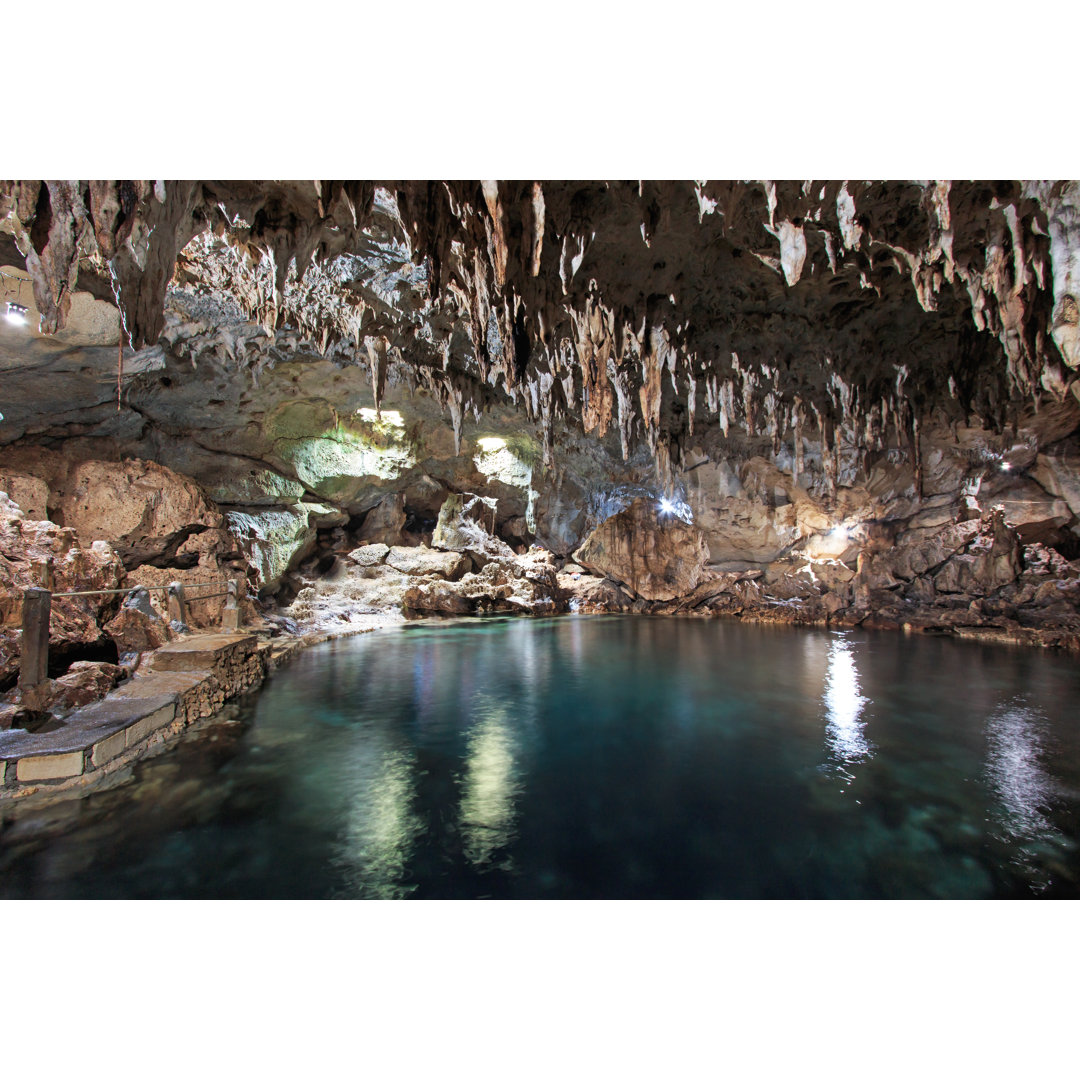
(801, 368)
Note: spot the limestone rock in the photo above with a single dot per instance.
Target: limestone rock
(384, 521)
(466, 523)
(590, 595)
(143, 509)
(657, 556)
(29, 493)
(84, 682)
(504, 584)
(370, 554)
(137, 627)
(273, 541)
(30, 549)
(423, 561)
(438, 598)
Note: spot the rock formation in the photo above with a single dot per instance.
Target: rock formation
(649, 549)
(824, 401)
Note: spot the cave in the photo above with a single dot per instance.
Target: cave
(577, 514)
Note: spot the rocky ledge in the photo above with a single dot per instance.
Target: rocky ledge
(186, 681)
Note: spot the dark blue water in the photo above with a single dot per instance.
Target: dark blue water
(599, 758)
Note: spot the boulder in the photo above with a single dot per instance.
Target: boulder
(370, 554)
(86, 681)
(591, 595)
(658, 556)
(422, 561)
(384, 521)
(137, 627)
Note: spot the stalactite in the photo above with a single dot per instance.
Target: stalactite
(523, 261)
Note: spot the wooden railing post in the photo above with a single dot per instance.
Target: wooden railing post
(34, 657)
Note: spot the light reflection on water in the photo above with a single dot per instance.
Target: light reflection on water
(380, 827)
(599, 757)
(846, 731)
(488, 787)
(1017, 739)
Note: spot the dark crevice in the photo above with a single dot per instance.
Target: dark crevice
(61, 657)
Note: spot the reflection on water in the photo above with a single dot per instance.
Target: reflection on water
(1016, 738)
(488, 788)
(598, 758)
(845, 735)
(380, 826)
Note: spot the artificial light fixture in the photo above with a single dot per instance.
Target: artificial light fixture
(667, 506)
(1006, 466)
(16, 313)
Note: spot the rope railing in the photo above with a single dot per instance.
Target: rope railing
(148, 588)
(37, 604)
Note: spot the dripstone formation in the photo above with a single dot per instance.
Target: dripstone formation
(848, 402)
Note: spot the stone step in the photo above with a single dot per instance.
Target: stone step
(203, 652)
(105, 729)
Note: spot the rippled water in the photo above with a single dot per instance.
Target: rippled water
(599, 757)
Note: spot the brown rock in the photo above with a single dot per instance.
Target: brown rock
(145, 510)
(30, 548)
(658, 557)
(137, 628)
(384, 521)
(85, 681)
(30, 493)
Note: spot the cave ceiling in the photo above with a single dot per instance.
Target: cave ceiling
(636, 308)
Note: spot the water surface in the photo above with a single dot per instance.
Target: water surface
(599, 757)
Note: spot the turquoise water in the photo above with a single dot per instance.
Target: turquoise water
(599, 757)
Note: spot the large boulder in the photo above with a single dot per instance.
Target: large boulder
(655, 554)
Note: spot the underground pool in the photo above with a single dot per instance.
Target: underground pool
(597, 757)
